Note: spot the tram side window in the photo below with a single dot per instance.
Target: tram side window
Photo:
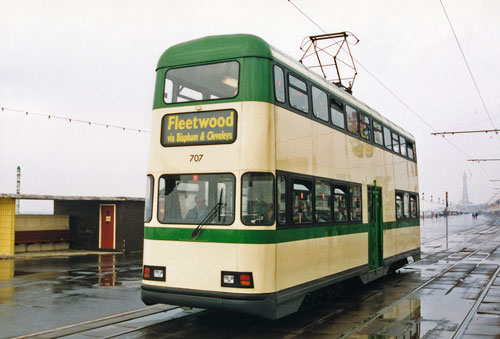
(413, 206)
(279, 84)
(190, 199)
(352, 120)
(395, 142)
(340, 204)
(302, 201)
(355, 193)
(320, 105)
(297, 92)
(377, 133)
(406, 205)
(364, 127)
(338, 116)
(387, 138)
(402, 142)
(399, 206)
(257, 197)
(323, 192)
(281, 184)
(411, 152)
(148, 210)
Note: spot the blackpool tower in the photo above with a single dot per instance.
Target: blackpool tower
(465, 194)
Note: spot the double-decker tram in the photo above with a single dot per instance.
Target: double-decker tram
(267, 183)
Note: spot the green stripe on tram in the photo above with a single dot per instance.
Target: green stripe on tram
(264, 236)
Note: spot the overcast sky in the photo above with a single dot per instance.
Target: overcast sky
(95, 61)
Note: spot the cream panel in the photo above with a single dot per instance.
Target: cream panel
(415, 236)
(356, 160)
(401, 240)
(198, 266)
(322, 152)
(302, 261)
(256, 136)
(293, 142)
(390, 243)
(388, 192)
(177, 159)
(401, 173)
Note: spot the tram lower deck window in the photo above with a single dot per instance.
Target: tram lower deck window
(196, 198)
(257, 197)
(302, 201)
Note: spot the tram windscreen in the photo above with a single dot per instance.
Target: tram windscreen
(202, 82)
(188, 199)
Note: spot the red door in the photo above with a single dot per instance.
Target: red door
(107, 235)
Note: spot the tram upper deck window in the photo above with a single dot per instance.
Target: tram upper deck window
(148, 204)
(395, 142)
(320, 104)
(257, 199)
(279, 84)
(387, 138)
(302, 201)
(364, 127)
(402, 142)
(340, 204)
(323, 201)
(411, 152)
(203, 82)
(355, 193)
(297, 92)
(338, 116)
(352, 120)
(196, 198)
(377, 133)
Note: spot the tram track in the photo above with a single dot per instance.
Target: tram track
(173, 321)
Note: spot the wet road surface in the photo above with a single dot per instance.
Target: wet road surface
(41, 294)
(453, 291)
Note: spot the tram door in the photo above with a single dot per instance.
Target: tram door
(375, 224)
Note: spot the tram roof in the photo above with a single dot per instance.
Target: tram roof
(217, 47)
(231, 46)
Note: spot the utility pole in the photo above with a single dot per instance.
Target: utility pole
(446, 215)
(18, 187)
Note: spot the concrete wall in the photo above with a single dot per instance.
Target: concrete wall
(28, 222)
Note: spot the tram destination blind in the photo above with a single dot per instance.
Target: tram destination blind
(199, 128)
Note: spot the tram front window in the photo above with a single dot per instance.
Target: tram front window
(202, 82)
(257, 196)
(189, 199)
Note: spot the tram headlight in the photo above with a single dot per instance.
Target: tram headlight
(154, 273)
(228, 279)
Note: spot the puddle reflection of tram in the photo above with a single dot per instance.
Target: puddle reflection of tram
(296, 193)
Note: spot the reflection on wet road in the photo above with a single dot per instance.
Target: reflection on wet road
(46, 293)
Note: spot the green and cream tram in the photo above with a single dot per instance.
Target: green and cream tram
(267, 183)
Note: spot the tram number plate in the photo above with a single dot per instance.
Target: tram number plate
(195, 157)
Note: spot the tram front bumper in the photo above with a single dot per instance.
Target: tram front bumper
(263, 305)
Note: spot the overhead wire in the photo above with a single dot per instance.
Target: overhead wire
(468, 68)
(396, 96)
(385, 86)
(90, 123)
